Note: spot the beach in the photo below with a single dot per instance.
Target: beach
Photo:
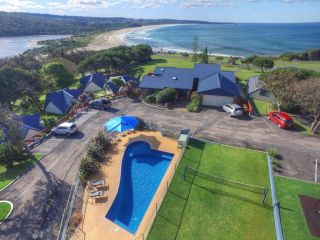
(116, 38)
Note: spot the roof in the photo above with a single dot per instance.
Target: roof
(97, 78)
(61, 99)
(218, 84)
(127, 78)
(211, 79)
(253, 85)
(31, 123)
(74, 92)
(113, 87)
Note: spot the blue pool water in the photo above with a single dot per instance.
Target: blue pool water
(141, 173)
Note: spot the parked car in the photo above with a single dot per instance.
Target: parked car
(233, 109)
(65, 128)
(282, 119)
(100, 103)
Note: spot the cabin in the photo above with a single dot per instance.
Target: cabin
(93, 83)
(58, 102)
(256, 90)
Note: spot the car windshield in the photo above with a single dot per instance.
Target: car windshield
(237, 109)
(288, 121)
(73, 126)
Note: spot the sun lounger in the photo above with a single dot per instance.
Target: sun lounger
(97, 183)
(96, 194)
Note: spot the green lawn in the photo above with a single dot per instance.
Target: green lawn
(196, 208)
(292, 216)
(5, 208)
(7, 175)
(311, 65)
(262, 107)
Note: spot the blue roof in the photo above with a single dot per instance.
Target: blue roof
(218, 84)
(113, 87)
(61, 99)
(127, 78)
(31, 122)
(253, 85)
(211, 79)
(97, 78)
(74, 92)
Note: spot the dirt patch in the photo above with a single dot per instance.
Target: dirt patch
(311, 209)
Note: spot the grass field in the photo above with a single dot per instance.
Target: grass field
(311, 65)
(196, 208)
(292, 216)
(4, 210)
(262, 107)
(7, 175)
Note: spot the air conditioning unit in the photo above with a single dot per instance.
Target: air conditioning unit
(174, 78)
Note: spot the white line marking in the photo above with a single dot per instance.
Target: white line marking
(316, 171)
(266, 122)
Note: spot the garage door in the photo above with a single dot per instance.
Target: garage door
(216, 101)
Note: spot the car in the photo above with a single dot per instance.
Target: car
(65, 128)
(100, 103)
(282, 119)
(233, 109)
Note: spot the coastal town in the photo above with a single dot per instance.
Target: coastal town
(102, 137)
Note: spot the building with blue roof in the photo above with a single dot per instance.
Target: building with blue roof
(215, 86)
(58, 102)
(93, 83)
(31, 125)
(256, 90)
(74, 92)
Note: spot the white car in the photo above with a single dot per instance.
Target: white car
(65, 128)
(233, 109)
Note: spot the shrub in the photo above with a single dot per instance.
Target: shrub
(118, 82)
(76, 219)
(96, 152)
(290, 107)
(166, 95)
(50, 122)
(88, 166)
(150, 99)
(194, 105)
(103, 140)
(9, 154)
(273, 153)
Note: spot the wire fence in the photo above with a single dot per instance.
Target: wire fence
(153, 210)
(166, 131)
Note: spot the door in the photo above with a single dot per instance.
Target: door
(216, 101)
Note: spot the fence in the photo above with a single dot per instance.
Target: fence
(275, 204)
(166, 131)
(152, 213)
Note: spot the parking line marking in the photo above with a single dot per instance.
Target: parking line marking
(266, 122)
(316, 171)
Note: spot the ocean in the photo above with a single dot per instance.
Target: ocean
(232, 39)
(10, 46)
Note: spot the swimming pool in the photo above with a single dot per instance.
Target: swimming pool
(141, 173)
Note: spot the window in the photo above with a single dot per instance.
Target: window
(264, 93)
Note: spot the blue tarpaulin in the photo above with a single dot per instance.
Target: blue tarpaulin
(121, 124)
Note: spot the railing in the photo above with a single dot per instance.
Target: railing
(152, 212)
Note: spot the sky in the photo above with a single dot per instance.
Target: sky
(269, 11)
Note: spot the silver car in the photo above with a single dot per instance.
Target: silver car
(65, 128)
(233, 109)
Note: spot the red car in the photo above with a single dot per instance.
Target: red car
(282, 119)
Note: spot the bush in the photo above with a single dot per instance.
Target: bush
(96, 152)
(103, 140)
(88, 166)
(273, 153)
(290, 107)
(9, 154)
(166, 95)
(50, 122)
(194, 105)
(150, 99)
(76, 219)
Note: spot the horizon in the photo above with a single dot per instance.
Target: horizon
(230, 11)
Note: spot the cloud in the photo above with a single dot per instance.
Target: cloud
(19, 5)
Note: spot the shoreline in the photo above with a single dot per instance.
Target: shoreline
(115, 38)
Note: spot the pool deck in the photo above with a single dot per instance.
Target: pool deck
(96, 226)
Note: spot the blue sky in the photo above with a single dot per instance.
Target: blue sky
(210, 10)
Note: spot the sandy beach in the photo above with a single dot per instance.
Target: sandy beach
(115, 38)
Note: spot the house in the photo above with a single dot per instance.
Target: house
(113, 88)
(256, 90)
(31, 125)
(58, 102)
(216, 87)
(93, 83)
(74, 92)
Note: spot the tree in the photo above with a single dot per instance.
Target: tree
(263, 62)
(307, 94)
(56, 75)
(249, 60)
(195, 48)
(280, 82)
(204, 56)
(232, 60)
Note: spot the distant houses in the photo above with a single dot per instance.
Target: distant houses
(256, 90)
(58, 102)
(93, 83)
(216, 87)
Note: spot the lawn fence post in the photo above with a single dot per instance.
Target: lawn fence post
(275, 203)
(185, 171)
(265, 192)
